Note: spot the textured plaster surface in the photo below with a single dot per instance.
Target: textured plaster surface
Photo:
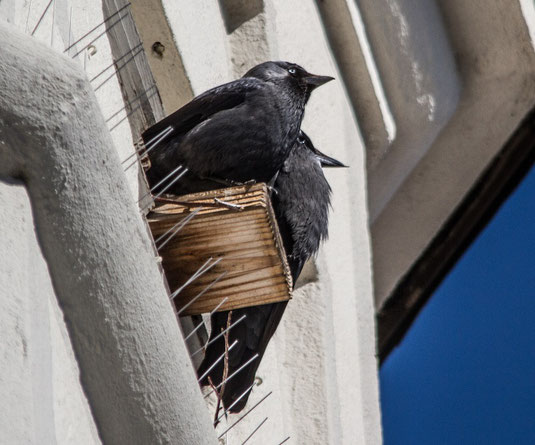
(496, 65)
(64, 23)
(199, 34)
(416, 66)
(321, 363)
(133, 365)
(42, 399)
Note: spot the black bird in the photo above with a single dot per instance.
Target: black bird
(301, 203)
(236, 132)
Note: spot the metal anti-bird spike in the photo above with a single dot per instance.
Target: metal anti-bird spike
(241, 396)
(41, 17)
(254, 431)
(219, 359)
(174, 172)
(205, 267)
(169, 234)
(242, 367)
(201, 293)
(237, 132)
(247, 413)
(133, 53)
(150, 145)
(221, 303)
(119, 20)
(302, 229)
(130, 113)
(162, 191)
(96, 27)
(241, 131)
(130, 103)
(223, 332)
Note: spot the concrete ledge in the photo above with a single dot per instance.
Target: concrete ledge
(134, 366)
(496, 64)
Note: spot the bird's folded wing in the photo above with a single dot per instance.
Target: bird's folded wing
(217, 99)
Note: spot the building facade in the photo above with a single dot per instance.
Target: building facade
(428, 99)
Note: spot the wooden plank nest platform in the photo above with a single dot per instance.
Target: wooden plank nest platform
(235, 225)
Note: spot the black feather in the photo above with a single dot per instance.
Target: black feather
(301, 205)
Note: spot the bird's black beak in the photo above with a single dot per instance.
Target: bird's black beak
(314, 81)
(327, 161)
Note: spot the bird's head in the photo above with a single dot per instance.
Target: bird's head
(323, 159)
(290, 74)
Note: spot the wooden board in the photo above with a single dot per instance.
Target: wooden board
(252, 269)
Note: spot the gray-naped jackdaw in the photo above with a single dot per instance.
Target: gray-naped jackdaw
(236, 132)
(301, 203)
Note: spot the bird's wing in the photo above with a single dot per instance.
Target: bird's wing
(253, 335)
(217, 99)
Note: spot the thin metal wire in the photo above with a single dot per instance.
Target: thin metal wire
(285, 440)
(150, 145)
(217, 361)
(115, 62)
(200, 271)
(144, 209)
(219, 335)
(70, 27)
(254, 357)
(175, 171)
(120, 19)
(254, 431)
(28, 16)
(223, 301)
(242, 395)
(96, 27)
(200, 294)
(135, 99)
(130, 59)
(52, 27)
(178, 226)
(41, 18)
(247, 413)
(129, 114)
(162, 191)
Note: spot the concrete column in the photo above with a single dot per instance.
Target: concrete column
(134, 366)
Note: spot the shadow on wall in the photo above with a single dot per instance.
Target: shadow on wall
(237, 12)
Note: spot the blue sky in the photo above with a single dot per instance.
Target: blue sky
(465, 372)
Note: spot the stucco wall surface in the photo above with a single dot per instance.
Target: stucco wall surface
(133, 364)
(321, 363)
(42, 399)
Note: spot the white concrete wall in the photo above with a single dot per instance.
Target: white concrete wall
(42, 400)
(47, 108)
(321, 363)
(63, 24)
(495, 62)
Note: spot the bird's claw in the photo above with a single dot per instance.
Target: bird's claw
(271, 189)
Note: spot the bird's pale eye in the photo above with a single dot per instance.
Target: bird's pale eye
(292, 71)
